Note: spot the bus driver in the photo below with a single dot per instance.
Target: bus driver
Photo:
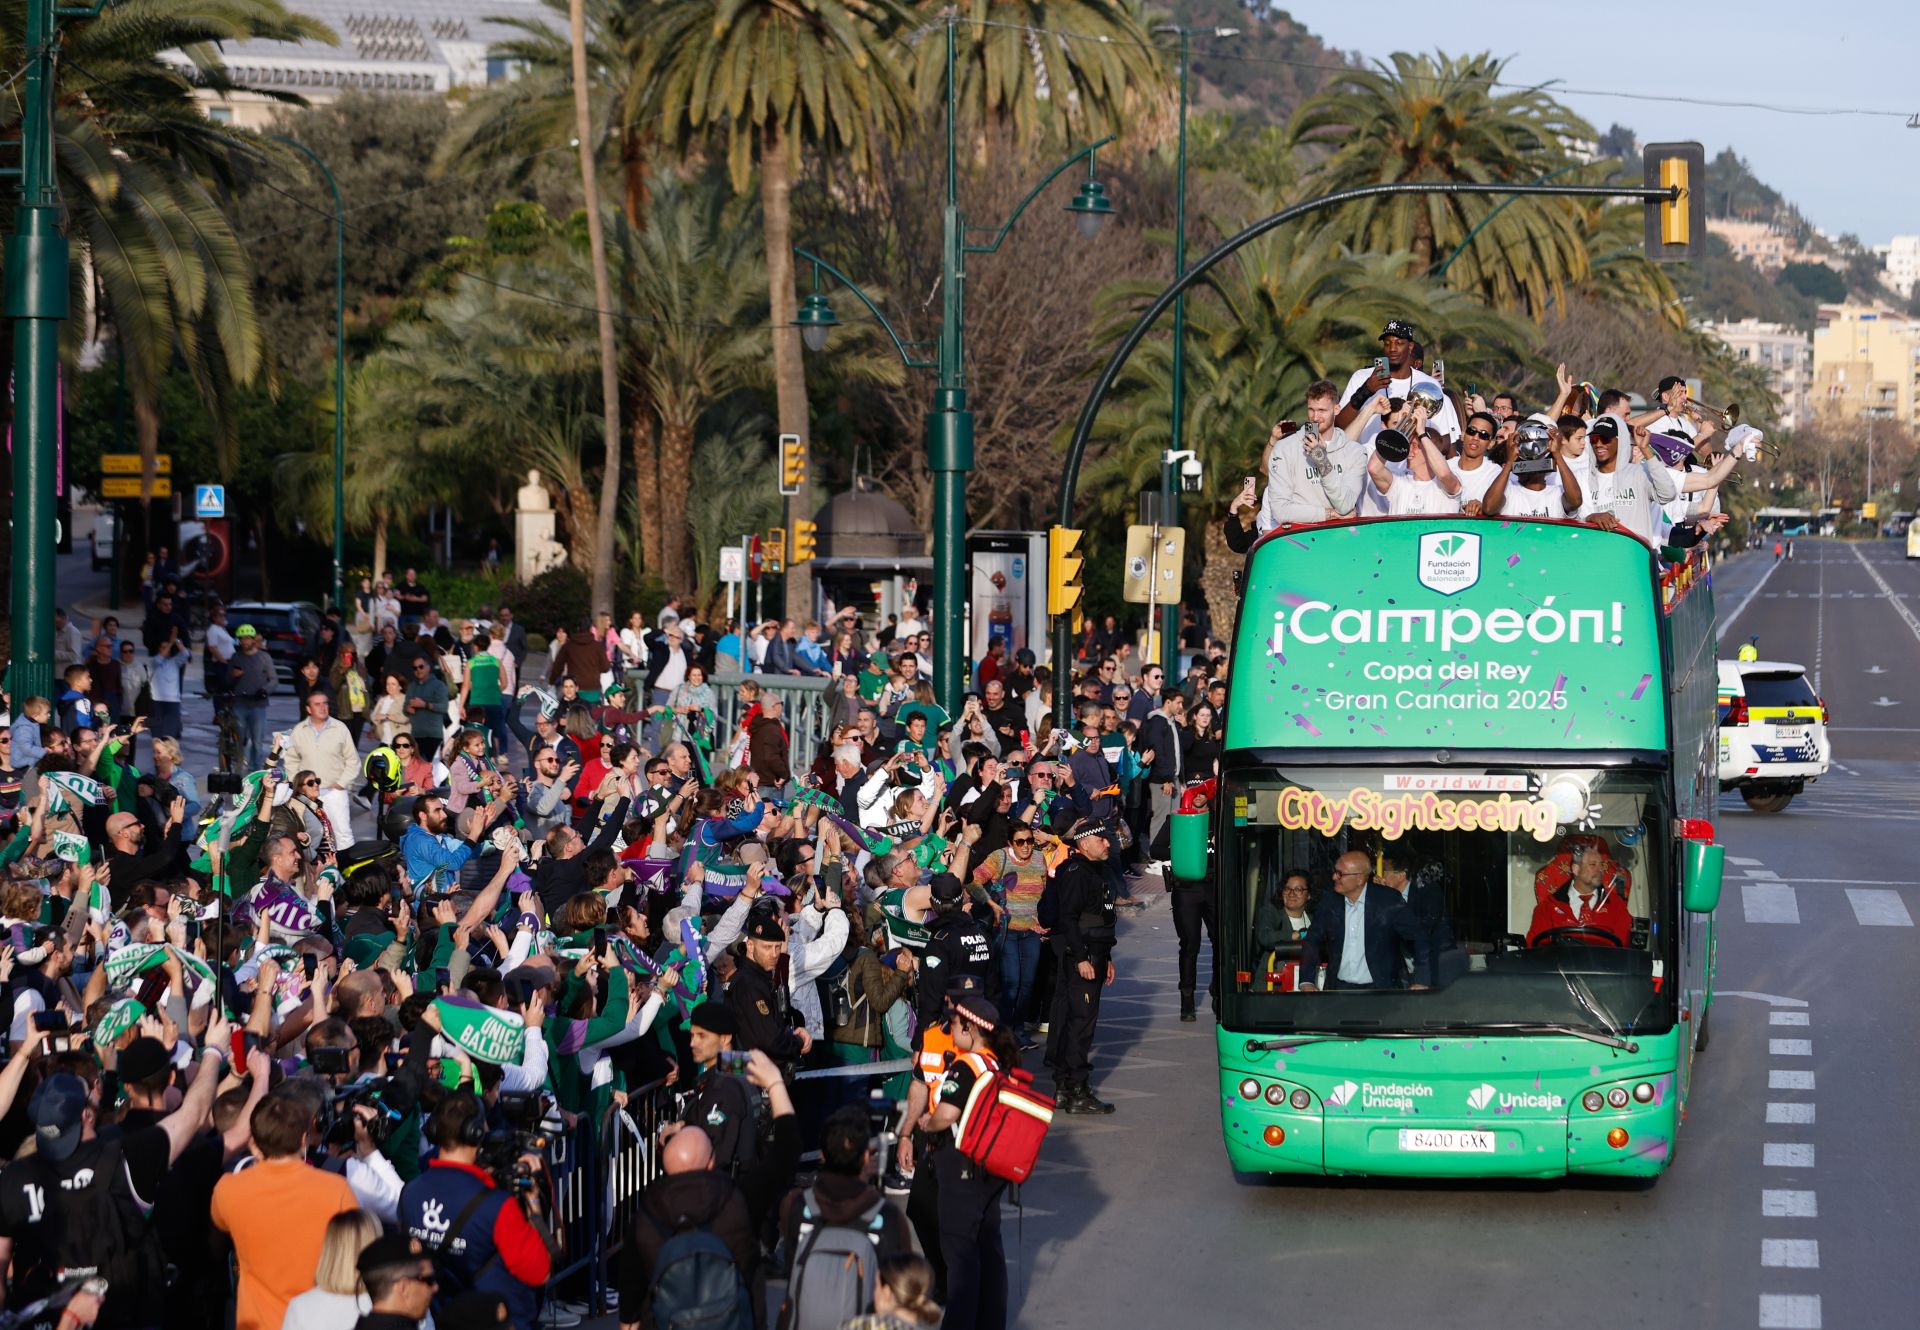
(1592, 902)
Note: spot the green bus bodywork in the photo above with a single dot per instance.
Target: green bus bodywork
(1409, 662)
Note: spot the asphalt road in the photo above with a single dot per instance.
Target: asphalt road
(1789, 1201)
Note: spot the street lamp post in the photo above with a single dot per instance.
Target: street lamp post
(1169, 615)
(339, 372)
(950, 423)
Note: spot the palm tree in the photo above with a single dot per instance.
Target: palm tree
(695, 284)
(1020, 69)
(1441, 118)
(718, 507)
(144, 176)
(778, 77)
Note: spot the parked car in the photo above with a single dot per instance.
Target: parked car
(289, 629)
(102, 538)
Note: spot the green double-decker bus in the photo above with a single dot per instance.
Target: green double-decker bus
(1514, 722)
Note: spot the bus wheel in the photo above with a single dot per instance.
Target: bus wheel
(1762, 800)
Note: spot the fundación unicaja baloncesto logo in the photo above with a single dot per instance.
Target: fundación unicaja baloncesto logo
(1449, 561)
(1342, 1093)
(1479, 1098)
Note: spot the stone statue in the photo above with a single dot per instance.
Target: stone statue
(534, 548)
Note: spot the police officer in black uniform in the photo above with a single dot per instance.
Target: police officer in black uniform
(957, 945)
(758, 1000)
(1083, 947)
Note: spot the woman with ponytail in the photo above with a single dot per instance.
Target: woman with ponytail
(902, 1297)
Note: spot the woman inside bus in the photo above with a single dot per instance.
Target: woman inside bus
(1281, 919)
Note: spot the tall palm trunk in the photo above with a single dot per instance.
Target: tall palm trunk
(379, 547)
(676, 477)
(603, 298)
(789, 372)
(647, 488)
(633, 169)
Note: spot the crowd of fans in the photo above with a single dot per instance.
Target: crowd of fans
(310, 1044)
(1396, 441)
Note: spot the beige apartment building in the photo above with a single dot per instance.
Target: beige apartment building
(1786, 354)
(1866, 362)
(1755, 242)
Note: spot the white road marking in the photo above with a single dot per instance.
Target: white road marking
(1769, 903)
(1743, 863)
(1775, 1154)
(1790, 1253)
(1789, 1205)
(1739, 609)
(1789, 1311)
(1790, 1113)
(1879, 909)
(1907, 616)
(1763, 875)
(1771, 999)
(1782, 1079)
(1790, 1048)
(1788, 1018)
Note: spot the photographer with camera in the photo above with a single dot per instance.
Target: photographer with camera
(483, 1236)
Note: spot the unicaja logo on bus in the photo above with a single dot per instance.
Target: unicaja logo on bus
(1449, 561)
(1341, 1093)
(1479, 1098)
(1484, 1096)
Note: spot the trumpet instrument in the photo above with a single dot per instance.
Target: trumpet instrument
(1727, 418)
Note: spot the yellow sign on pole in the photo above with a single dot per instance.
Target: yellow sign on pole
(128, 464)
(128, 487)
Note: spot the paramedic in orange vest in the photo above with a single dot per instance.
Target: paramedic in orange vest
(1592, 902)
(969, 1195)
(933, 1051)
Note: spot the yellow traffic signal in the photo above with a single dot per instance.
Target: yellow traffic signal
(793, 464)
(1064, 588)
(773, 551)
(805, 539)
(1675, 227)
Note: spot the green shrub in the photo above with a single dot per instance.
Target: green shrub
(556, 598)
(462, 595)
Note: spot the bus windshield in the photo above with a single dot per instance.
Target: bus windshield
(1493, 899)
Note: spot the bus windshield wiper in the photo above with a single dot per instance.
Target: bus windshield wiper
(1587, 1032)
(1325, 1036)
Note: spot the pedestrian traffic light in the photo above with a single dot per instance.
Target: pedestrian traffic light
(1063, 570)
(805, 538)
(793, 465)
(773, 550)
(1676, 227)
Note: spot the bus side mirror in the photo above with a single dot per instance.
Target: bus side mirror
(1187, 839)
(1705, 863)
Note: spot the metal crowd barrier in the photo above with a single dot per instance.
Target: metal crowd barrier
(599, 1171)
(808, 703)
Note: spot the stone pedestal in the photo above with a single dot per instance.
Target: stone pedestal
(534, 548)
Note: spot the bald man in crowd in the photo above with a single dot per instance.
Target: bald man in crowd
(690, 1192)
(126, 864)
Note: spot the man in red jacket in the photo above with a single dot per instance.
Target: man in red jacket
(1594, 899)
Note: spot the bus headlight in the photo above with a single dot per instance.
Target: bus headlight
(1249, 1088)
(1593, 1101)
(1643, 1092)
(1276, 1095)
(1300, 1099)
(1617, 1096)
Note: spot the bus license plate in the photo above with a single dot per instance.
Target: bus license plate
(1432, 1141)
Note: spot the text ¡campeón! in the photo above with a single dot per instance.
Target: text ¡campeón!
(1451, 627)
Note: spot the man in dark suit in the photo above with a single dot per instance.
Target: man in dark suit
(1373, 917)
(1426, 895)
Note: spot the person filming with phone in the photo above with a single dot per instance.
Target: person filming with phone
(1312, 473)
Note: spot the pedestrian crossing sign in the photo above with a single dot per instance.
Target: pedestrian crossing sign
(209, 500)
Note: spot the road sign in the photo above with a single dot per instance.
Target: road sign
(128, 487)
(1152, 574)
(209, 500)
(128, 464)
(733, 564)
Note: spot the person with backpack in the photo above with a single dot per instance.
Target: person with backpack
(836, 1233)
(481, 1236)
(970, 1246)
(691, 1256)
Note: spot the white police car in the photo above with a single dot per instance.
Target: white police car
(1773, 732)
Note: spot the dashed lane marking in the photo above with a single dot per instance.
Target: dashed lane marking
(1769, 903)
(1879, 909)
(1790, 1048)
(1788, 1018)
(1789, 1311)
(1790, 1113)
(1779, 1154)
(1790, 1253)
(1789, 1204)
(1782, 1079)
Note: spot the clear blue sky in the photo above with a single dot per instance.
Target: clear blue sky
(1847, 173)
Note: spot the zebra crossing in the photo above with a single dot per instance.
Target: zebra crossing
(1765, 898)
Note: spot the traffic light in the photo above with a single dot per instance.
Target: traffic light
(1676, 228)
(793, 465)
(1064, 588)
(805, 539)
(773, 552)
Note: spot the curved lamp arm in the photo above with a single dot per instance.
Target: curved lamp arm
(846, 281)
(1000, 234)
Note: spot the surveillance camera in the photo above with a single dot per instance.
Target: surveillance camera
(1190, 471)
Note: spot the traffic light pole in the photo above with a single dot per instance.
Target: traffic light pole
(36, 305)
(1083, 428)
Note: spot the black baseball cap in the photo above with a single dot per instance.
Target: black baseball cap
(55, 1109)
(947, 890)
(1399, 328)
(765, 928)
(1604, 427)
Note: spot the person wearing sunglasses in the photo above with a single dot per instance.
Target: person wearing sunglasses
(1016, 873)
(1474, 468)
(401, 1283)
